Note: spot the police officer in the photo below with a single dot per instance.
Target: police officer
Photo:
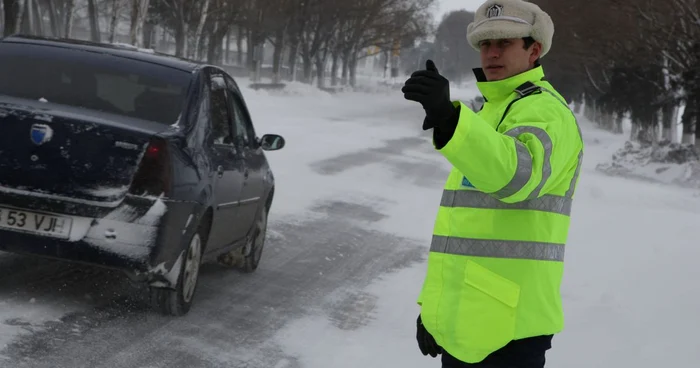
(491, 295)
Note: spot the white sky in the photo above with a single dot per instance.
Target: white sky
(446, 6)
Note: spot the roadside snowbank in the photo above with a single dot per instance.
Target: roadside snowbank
(668, 163)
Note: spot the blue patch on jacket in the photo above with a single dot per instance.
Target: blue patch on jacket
(466, 182)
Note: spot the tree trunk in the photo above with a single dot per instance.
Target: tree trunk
(200, 27)
(139, 12)
(689, 119)
(11, 11)
(386, 61)
(634, 131)
(667, 117)
(148, 31)
(308, 67)
(70, 9)
(228, 44)
(26, 23)
(250, 50)
(346, 67)
(334, 68)
(94, 23)
(239, 45)
(181, 36)
(618, 122)
(216, 37)
(38, 19)
(277, 56)
(292, 62)
(353, 69)
(114, 21)
(320, 70)
(53, 18)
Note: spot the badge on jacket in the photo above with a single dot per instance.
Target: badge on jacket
(466, 182)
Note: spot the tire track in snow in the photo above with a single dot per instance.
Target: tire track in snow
(313, 268)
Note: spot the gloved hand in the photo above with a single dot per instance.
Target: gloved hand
(426, 342)
(431, 90)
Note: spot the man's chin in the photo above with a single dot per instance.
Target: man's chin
(493, 75)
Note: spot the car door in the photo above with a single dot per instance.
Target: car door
(227, 166)
(252, 154)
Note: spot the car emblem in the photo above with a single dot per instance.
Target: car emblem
(40, 134)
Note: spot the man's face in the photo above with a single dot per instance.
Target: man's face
(504, 58)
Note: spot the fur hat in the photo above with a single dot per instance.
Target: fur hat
(498, 19)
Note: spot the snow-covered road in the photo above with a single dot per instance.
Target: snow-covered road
(357, 190)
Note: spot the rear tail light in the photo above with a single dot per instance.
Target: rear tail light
(154, 174)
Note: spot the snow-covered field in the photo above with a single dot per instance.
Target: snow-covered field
(630, 288)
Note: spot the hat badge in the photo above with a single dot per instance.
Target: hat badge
(494, 10)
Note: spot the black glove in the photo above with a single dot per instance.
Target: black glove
(426, 342)
(431, 90)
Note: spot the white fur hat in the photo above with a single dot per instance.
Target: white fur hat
(498, 19)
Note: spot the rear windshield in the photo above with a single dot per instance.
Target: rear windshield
(93, 81)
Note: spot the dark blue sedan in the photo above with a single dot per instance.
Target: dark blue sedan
(129, 160)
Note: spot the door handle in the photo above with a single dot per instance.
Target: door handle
(220, 171)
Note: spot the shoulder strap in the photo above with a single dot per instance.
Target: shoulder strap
(526, 89)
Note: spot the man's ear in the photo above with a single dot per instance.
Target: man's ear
(535, 52)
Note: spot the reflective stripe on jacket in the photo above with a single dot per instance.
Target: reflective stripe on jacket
(496, 260)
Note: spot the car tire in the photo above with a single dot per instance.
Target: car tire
(247, 258)
(178, 302)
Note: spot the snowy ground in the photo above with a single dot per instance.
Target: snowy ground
(358, 187)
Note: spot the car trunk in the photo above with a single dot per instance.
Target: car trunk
(68, 157)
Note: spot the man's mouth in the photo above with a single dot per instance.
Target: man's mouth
(494, 67)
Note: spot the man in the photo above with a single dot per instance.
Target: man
(491, 293)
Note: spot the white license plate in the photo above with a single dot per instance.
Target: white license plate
(35, 223)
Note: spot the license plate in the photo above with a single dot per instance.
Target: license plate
(35, 223)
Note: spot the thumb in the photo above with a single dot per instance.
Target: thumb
(430, 65)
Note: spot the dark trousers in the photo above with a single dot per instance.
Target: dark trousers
(525, 353)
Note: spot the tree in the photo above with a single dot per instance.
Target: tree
(453, 54)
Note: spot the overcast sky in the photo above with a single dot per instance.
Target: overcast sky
(446, 6)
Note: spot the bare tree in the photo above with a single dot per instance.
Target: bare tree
(139, 12)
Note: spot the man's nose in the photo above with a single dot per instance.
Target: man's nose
(493, 52)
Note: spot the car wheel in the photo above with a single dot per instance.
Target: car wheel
(248, 257)
(179, 301)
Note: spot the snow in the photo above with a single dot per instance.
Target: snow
(43, 194)
(24, 316)
(629, 290)
(154, 214)
(663, 162)
(132, 47)
(45, 117)
(108, 192)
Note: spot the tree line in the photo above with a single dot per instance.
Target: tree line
(629, 58)
(312, 39)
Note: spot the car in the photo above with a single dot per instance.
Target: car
(130, 160)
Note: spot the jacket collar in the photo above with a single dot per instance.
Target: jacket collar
(500, 90)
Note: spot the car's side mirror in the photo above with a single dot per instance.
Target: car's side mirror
(272, 142)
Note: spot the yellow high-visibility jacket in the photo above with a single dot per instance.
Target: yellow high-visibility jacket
(496, 259)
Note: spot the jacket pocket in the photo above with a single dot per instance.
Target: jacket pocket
(488, 309)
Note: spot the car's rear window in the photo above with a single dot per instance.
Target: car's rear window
(94, 81)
